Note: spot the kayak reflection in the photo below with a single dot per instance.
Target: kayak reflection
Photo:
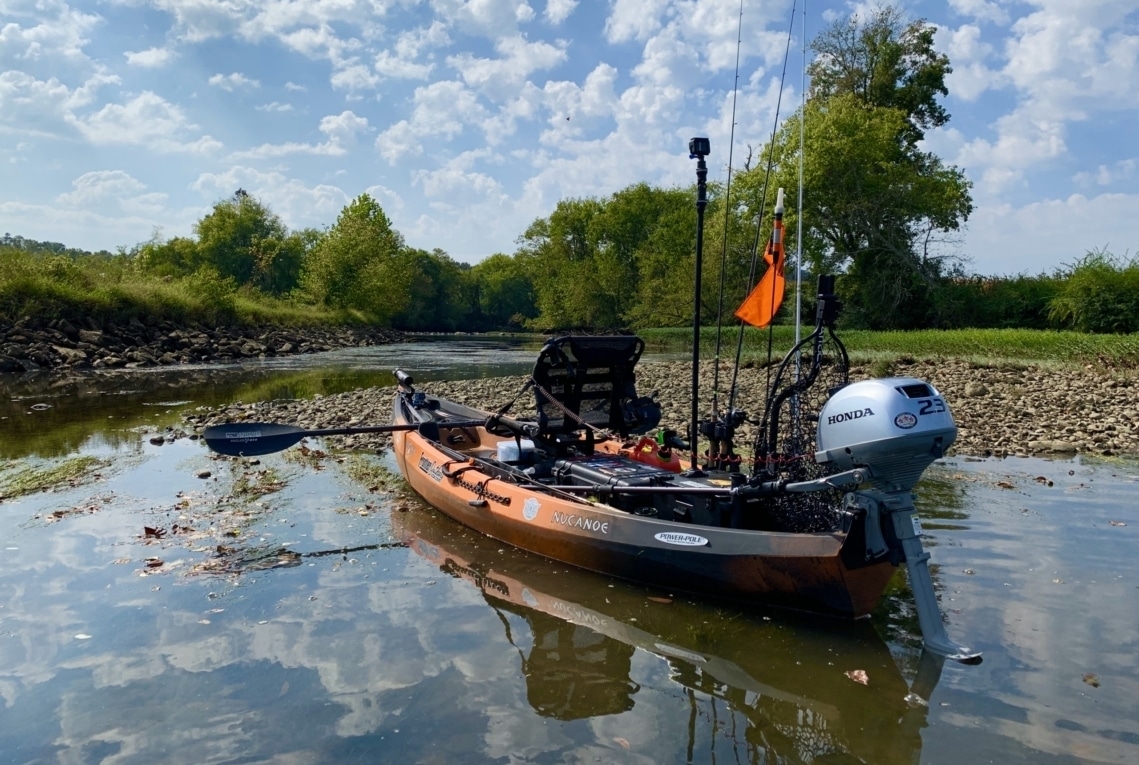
(811, 689)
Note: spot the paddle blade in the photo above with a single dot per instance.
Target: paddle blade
(250, 439)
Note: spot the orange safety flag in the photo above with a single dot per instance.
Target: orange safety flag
(760, 307)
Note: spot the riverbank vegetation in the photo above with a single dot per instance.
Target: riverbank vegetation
(882, 213)
(983, 347)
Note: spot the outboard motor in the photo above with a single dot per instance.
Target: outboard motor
(885, 433)
(899, 426)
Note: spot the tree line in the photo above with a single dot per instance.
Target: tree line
(877, 209)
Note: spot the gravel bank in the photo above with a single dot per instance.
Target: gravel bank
(999, 410)
(60, 346)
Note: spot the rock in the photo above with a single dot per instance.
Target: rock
(976, 389)
(70, 355)
(1059, 447)
(203, 474)
(94, 337)
(68, 329)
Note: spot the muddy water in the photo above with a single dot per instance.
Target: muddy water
(305, 610)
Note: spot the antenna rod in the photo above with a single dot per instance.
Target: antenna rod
(698, 148)
(799, 226)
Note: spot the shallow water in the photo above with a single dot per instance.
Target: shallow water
(304, 609)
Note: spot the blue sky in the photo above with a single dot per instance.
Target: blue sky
(468, 119)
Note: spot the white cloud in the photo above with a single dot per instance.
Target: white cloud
(355, 77)
(457, 186)
(1107, 175)
(489, 18)
(199, 20)
(45, 107)
(147, 120)
(1009, 240)
(634, 19)
(297, 203)
(274, 106)
(412, 43)
(970, 76)
(234, 81)
(399, 140)
(1064, 61)
(442, 109)
(151, 58)
(59, 36)
(596, 97)
(500, 78)
(295, 87)
(84, 227)
(394, 65)
(152, 204)
(558, 11)
(982, 10)
(341, 130)
(1022, 143)
(100, 185)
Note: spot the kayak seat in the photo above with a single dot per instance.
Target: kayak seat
(593, 378)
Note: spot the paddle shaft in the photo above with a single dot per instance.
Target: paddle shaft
(253, 439)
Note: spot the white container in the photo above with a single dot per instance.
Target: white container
(508, 451)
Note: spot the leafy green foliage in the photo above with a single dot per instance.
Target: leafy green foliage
(1101, 294)
(244, 241)
(438, 294)
(599, 262)
(22, 244)
(503, 293)
(977, 301)
(872, 206)
(359, 264)
(885, 62)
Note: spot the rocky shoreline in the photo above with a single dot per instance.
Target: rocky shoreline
(1000, 410)
(63, 346)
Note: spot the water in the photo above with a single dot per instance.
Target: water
(307, 610)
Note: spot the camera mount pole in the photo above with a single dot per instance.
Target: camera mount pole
(698, 148)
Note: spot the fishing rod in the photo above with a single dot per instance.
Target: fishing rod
(720, 427)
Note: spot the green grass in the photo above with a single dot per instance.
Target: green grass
(21, 480)
(983, 346)
(111, 288)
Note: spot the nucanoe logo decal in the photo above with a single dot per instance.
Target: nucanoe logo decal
(580, 522)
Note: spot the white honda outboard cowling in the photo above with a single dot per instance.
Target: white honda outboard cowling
(895, 426)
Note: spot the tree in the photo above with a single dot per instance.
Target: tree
(358, 264)
(559, 255)
(883, 61)
(179, 256)
(505, 292)
(245, 241)
(873, 204)
(436, 299)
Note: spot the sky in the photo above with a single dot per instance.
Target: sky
(121, 120)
